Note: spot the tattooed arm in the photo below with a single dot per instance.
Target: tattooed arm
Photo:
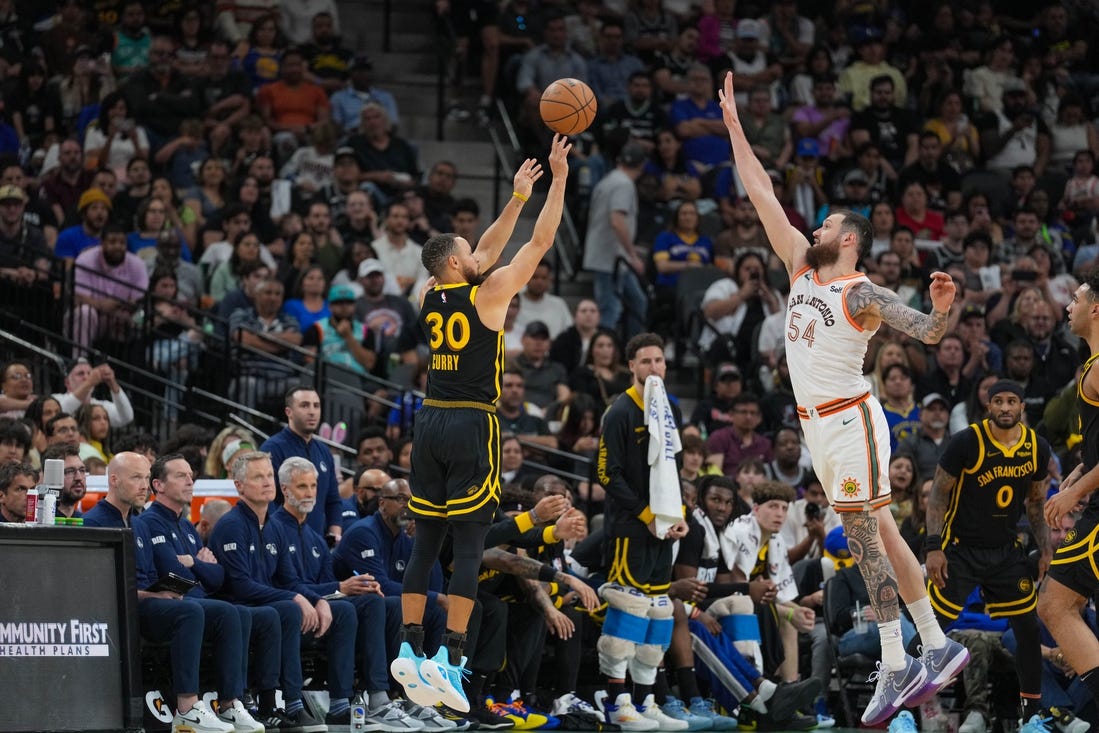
(865, 544)
(525, 567)
(864, 300)
(1035, 505)
(942, 493)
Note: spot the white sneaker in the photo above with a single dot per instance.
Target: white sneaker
(974, 723)
(428, 717)
(652, 711)
(238, 716)
(623, 714)
(199, 719)
(572, 703)
(393, 719)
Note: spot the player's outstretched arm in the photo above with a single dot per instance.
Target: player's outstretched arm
(866, 300)
(788, 243)
(499, 287)
(495, 238)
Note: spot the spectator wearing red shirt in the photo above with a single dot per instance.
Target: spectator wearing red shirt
(292, 105)
(914, 214)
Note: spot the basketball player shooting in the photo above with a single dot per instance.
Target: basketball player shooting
(455, 475)
(832, 313)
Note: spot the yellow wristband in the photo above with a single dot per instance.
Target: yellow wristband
(789, 614)
(519, 196)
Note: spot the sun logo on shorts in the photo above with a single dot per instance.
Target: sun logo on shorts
(1069, 537)
(1026, 585)
(850, 486)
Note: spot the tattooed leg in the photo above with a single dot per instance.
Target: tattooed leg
(867, 549)
(910, 577)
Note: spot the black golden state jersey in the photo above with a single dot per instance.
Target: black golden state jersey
(1089, 425)
(993, 481)
(467, 359)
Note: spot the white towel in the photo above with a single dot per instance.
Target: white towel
(665, 499)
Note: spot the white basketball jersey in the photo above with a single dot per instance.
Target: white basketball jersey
(825, 348)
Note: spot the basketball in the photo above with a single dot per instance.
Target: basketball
(568, 106)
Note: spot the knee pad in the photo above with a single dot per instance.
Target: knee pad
(614, 655)
(732, 605)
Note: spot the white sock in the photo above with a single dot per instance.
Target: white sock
(757, 703)
(892, 644)
(931, 634)
(767, 689)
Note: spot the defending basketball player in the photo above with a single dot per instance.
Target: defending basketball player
(1072, 579)
(455, 475)
(832, 313)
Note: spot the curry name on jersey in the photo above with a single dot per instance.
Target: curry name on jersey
(467, 358)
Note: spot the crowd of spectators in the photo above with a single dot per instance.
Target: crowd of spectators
(202, 172)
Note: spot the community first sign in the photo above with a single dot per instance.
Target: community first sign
(72, 638)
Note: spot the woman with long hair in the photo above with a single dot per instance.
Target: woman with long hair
(247, 193)
(679, 179)
(95, 429)
(227, 275)
(115, 138)
(961, 144)
(39, 413)
(300, 254)
(602, 376)
(193, 44)
(181, 217)
(903, 480)
(150, 222)
(211, 193)
(308, 304)
(225, 446)
(36, 108)
(261, 57)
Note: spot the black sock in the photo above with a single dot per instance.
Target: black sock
(688, 683)
(640, 692)
(414, 635)
(266, 701)
(475, 686)
(454, 643)
(660, 687)
(1091, 679)
(614, 689)
(1029, 706)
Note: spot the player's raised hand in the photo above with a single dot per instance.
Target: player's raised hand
(559, 156)
(942, 291)
(529, 172)
(728, 105)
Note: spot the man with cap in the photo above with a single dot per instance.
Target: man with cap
(928, 440)
(347, 103)
(987, 474)
(94, 208)
(714, 412)
(109, 286)
(546, 381)
(753, 66)
(610, 237)
(346, 181)
(24, 256)
(385, 314)
(341, 339)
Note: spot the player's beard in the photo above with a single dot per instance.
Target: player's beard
(473, 277)
(822, 255)
(1005, 422)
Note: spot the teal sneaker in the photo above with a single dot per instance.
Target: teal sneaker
(903, 723)
(446, 679)
(1036, 724)
(705, 709)
(674, 708)
(406, 670)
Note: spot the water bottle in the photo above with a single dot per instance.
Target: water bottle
(358, 714)
(53, 478)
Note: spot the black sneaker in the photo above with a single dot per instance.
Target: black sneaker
(791, 697)
(279, 721)
(481, 718)
(338, 722)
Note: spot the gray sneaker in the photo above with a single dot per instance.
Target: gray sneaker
(893, 689)
(942, 666)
